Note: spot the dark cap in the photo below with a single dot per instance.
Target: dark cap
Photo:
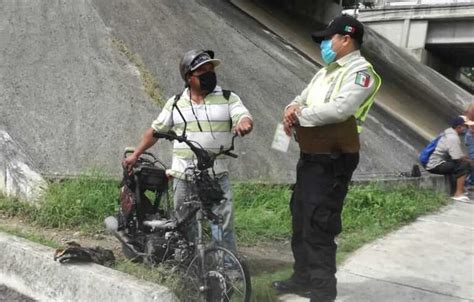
(458, 121)
(344, 25)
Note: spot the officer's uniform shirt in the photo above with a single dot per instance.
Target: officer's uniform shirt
(321, 107)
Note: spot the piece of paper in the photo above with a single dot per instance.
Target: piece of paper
(281, 141)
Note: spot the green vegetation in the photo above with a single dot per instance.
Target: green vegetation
(261, 214)
(148, 80)
(158, 275)
(80, 203)
(29, 236)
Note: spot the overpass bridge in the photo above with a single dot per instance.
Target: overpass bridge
(438, 33)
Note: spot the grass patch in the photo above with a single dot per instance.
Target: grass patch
(148, 80)
(262, 211)
(29, 236)
(80, 203)
(158, 275)
(261, 214)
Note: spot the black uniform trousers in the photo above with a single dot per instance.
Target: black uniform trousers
(316, 204)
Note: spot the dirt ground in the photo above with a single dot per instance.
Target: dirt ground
(262, 257)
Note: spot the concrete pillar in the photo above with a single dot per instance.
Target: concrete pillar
(405, 33)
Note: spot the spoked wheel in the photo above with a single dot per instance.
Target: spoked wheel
(223, 278)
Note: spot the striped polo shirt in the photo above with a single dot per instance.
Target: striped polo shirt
(216, 117)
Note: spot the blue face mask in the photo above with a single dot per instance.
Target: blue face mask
(327, 53)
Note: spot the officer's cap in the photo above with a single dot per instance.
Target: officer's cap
(344, 25)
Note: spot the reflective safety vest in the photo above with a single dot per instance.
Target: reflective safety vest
(325, 88)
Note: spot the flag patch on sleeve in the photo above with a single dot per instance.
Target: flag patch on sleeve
(362, 79)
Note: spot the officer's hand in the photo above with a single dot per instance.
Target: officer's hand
(287, 129)
(129, 161)
(243, 127)
(291, 115)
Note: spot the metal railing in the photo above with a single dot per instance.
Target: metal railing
(393, 3)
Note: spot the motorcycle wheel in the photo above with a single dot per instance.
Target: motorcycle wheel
(223, 278)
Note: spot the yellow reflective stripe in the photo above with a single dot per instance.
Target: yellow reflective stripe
(216, 126)
(354, 65)
(363, 110)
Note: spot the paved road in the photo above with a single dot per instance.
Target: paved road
(7, 294)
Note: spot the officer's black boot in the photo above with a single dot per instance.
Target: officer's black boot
(323, 290)
(296, 285)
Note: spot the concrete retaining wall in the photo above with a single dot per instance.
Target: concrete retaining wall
(438, 183)
(29, 268)
(17, 176)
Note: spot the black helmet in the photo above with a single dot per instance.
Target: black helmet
(194, 58)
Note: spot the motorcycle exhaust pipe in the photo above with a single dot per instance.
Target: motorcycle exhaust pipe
(111, 226)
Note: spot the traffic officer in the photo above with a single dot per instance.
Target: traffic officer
(327, 118)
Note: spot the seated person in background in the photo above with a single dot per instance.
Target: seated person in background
(449, 159)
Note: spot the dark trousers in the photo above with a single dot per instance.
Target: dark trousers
(316, 205)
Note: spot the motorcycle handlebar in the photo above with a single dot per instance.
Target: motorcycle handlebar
(205, 158)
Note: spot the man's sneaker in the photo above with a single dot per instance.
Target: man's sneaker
(292, 286)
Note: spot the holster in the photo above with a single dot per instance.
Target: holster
(329, 139)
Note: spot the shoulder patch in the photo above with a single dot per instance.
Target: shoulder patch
(362, 79)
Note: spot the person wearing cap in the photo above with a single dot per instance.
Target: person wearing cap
(448, 157)
(327, 118)
(213, 116)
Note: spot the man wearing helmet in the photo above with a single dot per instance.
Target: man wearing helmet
(213, 115)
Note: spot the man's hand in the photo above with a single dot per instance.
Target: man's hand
(243, 127)
(147, 141)
(287, 128)
(129, 161)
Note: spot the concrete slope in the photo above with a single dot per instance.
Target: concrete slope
(265, 71)
(415, 94)
(67, 95)
(71, 100)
